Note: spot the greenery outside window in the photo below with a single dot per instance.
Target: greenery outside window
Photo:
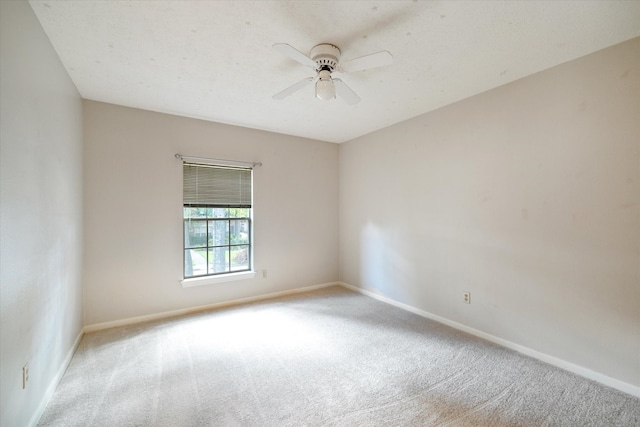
(216, 220)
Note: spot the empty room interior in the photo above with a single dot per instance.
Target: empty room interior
(439, 221)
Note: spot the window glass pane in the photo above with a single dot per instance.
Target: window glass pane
(197, 212)
(239, 231)
(218, 260)
(239, 258)
(195, 233)
(195, 262)
(218, 233)
(219, 213)
(238, 213)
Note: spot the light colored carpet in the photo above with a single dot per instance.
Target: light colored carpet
(325, 358)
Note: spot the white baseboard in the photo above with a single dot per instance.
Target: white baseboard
(180, 312)
(35, 418)
(563, 364)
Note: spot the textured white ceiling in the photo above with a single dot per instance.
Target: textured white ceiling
(213, 59)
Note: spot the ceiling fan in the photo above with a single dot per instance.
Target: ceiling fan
(325, 59)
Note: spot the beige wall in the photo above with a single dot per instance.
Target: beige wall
(40, 215)
(527, 196)
(133, 208)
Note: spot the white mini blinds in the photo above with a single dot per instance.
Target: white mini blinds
(216, 186)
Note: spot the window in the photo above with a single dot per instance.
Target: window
(217, 220)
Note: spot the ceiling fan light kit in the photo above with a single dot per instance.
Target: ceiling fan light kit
(325, 59)
(324, 86)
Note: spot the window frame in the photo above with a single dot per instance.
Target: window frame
(229, 274)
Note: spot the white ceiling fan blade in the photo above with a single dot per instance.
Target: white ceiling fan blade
(291, 89)
(345, 92)
(367, 62)
(295, 54)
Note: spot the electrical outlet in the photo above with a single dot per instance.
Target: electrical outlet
(466, 297)
(25, 375)
(264, 274)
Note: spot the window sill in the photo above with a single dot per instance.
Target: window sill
(211, 280)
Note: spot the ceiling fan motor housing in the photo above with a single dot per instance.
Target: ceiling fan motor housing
(326, 56)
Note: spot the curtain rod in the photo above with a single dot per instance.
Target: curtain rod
(222, 162)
